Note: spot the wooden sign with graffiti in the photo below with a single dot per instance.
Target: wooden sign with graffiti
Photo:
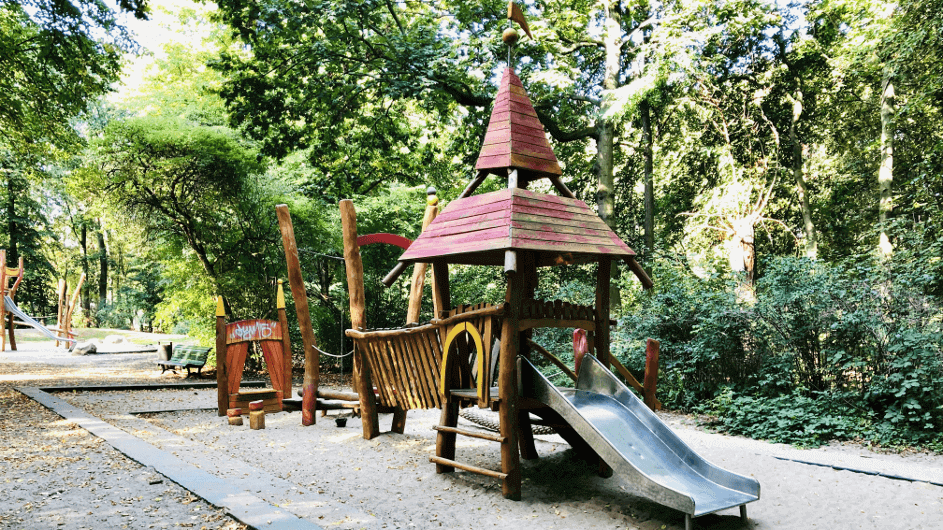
(252, 330)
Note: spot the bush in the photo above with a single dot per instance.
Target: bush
(824, 352)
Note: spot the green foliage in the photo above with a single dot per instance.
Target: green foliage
(57, 58)
(825, 351)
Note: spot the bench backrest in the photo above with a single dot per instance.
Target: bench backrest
(185, 354)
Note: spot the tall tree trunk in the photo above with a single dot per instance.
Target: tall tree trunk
(102, 269)
(886, 171)
(605, 143)
(798, 175)
(648, 154)
(13, 253)
(742, 256)
(86, 288)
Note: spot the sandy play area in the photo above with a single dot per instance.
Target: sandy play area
(330, 476)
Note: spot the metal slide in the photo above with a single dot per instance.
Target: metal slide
(11, 307)
(637, 445)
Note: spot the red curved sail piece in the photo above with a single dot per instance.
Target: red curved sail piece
(389, 239)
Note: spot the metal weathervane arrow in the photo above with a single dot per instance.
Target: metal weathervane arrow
(510, 36)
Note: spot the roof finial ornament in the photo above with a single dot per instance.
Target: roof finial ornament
(510, 36)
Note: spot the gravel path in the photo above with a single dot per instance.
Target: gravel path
(56, 475)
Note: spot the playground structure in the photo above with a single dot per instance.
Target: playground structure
(63, 331)
(232, 347)
(454, 360)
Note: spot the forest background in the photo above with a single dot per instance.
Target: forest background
(777, 166)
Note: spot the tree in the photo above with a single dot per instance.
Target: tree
(57, 57)
(187, 183)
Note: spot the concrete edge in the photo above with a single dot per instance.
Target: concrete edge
(861, 471)
(141, 386)
(239, 504)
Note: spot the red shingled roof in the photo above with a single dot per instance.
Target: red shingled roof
(515, 137)
(478, 229)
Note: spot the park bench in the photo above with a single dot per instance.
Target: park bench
(185, 357)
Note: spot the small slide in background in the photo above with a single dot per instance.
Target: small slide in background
(11, 307)
(638, 445)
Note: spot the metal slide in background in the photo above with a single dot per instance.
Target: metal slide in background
(11, 307)
(637, 445)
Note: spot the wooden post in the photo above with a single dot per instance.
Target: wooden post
(441, 294)
(419, 269)
(358, 319)
(296, 282)
(286, 340)
(650, 381)
(222, 378)
(602, 311)
(602, 330)
(528, 273)
(508, 411)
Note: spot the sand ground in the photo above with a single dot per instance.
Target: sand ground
(59, 476)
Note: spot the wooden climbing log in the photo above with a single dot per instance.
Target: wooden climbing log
(358, 318)
(300, 296)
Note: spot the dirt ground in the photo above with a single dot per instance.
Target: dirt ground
(57, 475)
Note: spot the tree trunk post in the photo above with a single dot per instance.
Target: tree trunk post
(300, 296)
(508, 410)
(358, 319)
(886, 171)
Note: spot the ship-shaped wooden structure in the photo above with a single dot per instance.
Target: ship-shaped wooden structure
(454, 360)
(451, 362)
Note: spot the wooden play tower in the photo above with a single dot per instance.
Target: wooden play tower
(447, 363)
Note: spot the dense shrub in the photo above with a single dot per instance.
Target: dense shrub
(824, 351)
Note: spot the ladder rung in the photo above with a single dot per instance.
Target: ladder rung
(466, 467)
(472, 434)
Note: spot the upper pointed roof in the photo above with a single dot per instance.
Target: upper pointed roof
(515, 137)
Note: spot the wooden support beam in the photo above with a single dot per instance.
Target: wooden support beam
(471, 434)
(640, 273)
(561, 187)
(603, 280)
(441, 294)
(439, 461)
(507, 388)
(553, 359)
(299, 295)
(473, 185)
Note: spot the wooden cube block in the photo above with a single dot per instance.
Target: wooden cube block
(257, 419)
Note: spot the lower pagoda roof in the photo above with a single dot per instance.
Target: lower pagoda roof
(478, 230)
